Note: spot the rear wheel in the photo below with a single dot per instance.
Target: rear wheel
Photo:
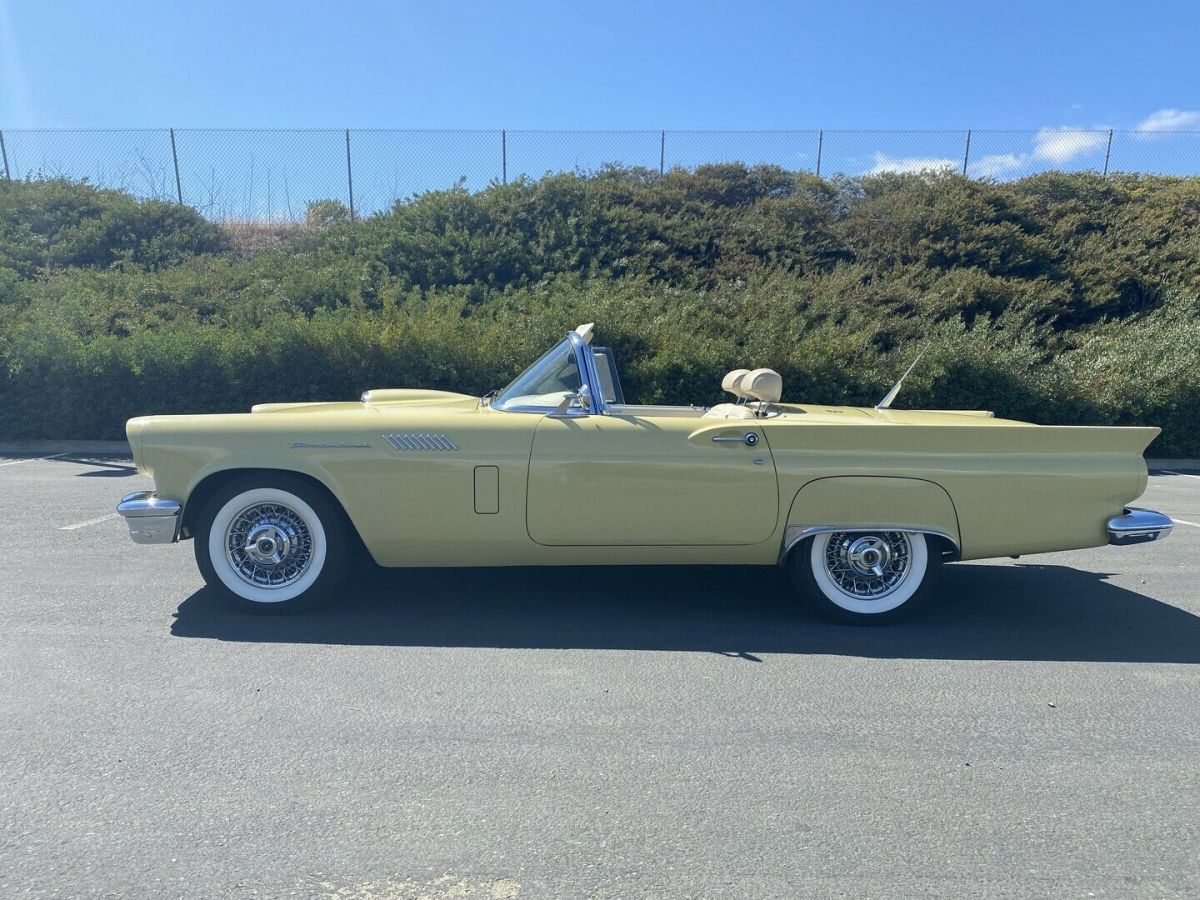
(866, 578)
(271, 545)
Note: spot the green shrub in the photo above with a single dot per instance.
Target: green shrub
(59, 223)
(1057, 298)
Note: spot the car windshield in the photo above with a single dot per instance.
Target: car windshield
(546, 382)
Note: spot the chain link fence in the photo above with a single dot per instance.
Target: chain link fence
(273, 175)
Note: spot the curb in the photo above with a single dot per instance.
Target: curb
(121, 448)
(45, 448)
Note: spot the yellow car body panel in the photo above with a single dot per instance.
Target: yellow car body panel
(631, 480)
(648, 485)
(1016, 488)
(867, 501)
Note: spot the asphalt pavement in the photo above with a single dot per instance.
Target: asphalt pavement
(588, 732)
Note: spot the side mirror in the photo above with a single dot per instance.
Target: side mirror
(583, 397)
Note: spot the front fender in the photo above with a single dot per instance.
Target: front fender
(866, 502)
(183, 452)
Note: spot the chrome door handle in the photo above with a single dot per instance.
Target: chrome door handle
(749, 439)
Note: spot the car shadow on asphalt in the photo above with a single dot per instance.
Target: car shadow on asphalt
(1017, 612)
(103, 466)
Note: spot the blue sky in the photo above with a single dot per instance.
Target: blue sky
(1044, 68)
(597, 65)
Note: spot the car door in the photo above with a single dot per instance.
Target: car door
(621, 480)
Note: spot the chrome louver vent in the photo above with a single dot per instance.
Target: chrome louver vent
(420, 442)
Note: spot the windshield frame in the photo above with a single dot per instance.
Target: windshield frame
(588, 377)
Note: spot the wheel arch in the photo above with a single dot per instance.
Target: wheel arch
(872, 503)
(215, 481)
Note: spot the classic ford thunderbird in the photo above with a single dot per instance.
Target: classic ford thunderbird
(860, 505)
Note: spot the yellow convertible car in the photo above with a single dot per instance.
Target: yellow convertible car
(861, 505)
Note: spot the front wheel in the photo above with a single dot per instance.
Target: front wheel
(866, 578)
(270, 545)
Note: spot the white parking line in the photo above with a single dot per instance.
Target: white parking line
(1180, 474)
(88, 522)
(17, 462)
(1186, 522)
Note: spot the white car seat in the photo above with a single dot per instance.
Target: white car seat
(733, 383)
(729, 411)
(763, 385)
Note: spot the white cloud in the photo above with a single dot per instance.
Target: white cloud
(1170, 120)
(997, 164)
(909, 164)
(1054, 145)
(1060, 145)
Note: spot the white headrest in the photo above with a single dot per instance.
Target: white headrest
(732, 383)
(763, 384)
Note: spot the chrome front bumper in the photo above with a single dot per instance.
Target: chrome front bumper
(1138, 526)
(151, 519)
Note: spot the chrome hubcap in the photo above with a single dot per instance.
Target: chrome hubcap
(868, 566)
(268, 545)
(869, 555)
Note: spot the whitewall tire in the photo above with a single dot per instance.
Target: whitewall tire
(866, 578)
(270, 544)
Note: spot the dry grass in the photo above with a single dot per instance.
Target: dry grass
(250, 236)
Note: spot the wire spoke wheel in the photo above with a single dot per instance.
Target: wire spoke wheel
(868, 566)
(864, 577)
(269, 545)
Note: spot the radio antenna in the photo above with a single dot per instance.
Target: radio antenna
(886, 402)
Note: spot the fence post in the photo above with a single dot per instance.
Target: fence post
(820, 148)
(175, 160)
(1108, 152)
(662, 152)
(503, 156)
(967, 153)
(349, 175)
(4, 153)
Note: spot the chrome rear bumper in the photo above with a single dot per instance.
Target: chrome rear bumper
(1138, 526)
(151, 519)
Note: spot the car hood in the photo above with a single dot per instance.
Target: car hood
(378, 398)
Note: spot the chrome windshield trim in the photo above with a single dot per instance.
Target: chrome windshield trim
(1138, 526)
(794, 534)
(542, 410)
(588, 375)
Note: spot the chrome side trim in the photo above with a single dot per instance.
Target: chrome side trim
(794, 534)
(151, 519)
(329, 445)
(1138, 526)
(409, 442)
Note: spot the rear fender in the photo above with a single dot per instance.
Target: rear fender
(871, 503)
